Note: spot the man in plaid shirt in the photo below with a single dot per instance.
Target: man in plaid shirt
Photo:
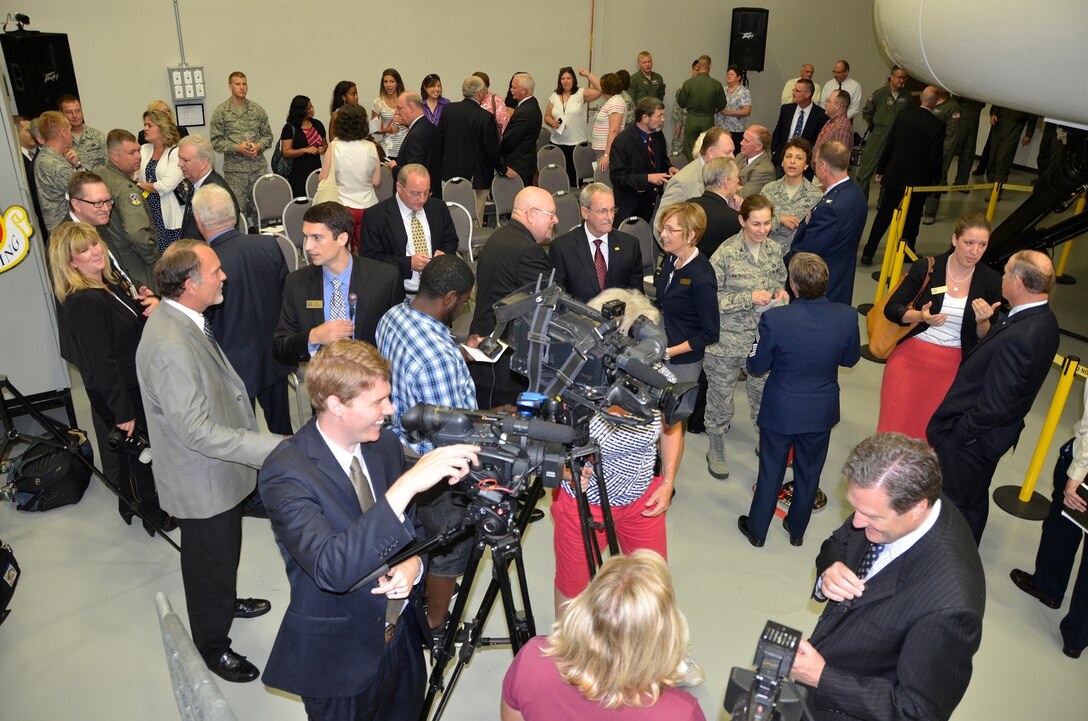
(428, 367)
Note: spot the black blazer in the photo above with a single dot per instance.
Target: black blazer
(722, 222)
(422, 144)
(997, 383)
(246, 320)
(985, 284)
(332, 638)
(572, 258)
(188, 224)
(377, 285)
(471, 144)
(689, 305)
(102, 338)
(518, 147)
(385, 239)
(912, 155)
(628, 165)
(904, 647)
(511, 259)
(783, 131)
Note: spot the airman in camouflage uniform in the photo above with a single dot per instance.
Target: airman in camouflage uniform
(240, 131)
(89, 143)
(948, 110)
(53, 168)
(131, 231)
(742, 268)
(701, 96)
(879, 112)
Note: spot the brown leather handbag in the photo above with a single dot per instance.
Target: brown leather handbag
(884, 334)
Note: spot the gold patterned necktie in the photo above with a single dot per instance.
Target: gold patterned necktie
(419, 240)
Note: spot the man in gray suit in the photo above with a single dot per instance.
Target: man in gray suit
(688, 183)
(904, 589)
(207, 447)
(757, 170)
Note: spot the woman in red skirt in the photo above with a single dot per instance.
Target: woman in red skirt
(952, 314)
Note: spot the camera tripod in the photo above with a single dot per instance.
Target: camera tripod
(57, 439)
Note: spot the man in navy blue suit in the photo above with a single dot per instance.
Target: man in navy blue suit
(982, 414)
(832, 229)
(800, 119)
(802, 344)
(338, 500)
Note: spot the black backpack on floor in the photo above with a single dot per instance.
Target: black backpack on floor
(46, 477)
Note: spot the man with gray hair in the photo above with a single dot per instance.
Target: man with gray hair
(470, 142)
(905, 593)
(982, 414)
(721, 179)
(518, 147)
(207, 447)
(596, 256)
(422, 143)
(196, 158)
(245, 321)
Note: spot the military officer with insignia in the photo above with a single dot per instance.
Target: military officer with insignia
(645, 83)
(879, 112)
(240, 131)
(130, 232)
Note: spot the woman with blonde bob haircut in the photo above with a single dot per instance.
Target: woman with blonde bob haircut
(617, 651)
(102, 321)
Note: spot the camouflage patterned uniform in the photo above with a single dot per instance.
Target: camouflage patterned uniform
(52, 173)
(738, 274)
(949, 113)
(879, 112)
(90, 145)
(230, 127)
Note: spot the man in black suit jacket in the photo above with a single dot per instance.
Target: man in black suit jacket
(513, 258)
(518, 147)
(982, 414)
(387, 227)
(470, 147)
(812, 122)
(423, 142)
(905, 590)
(339, 295)
(338, 499)
(639, 174)
(573, 255)
(912, 156)
(196, 160)
(245, 321)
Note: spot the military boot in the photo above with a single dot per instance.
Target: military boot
(715, 456)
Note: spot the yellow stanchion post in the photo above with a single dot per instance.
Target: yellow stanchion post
(889, 256)
(1060, 271)
(992, 208)
(1024, 502)
(897, 264)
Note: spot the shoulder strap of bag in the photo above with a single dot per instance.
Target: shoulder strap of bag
(925, 283)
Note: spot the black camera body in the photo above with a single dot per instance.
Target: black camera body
(134, 445)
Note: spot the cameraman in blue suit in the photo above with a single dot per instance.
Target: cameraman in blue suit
(802, 345)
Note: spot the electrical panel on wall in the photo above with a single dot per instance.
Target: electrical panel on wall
(186, 82)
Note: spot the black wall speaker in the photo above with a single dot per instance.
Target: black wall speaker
(748, 38)
(40, 66)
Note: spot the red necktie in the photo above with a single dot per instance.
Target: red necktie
(599, 264)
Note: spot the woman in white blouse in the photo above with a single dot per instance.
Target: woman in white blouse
(354, 161)
(566, 113)
(160, 175)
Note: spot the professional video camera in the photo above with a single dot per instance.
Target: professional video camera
(757, 695)
(567, 349)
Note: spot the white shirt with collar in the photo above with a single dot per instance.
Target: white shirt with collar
(755, 157)
(411, 285)
(191, 314)
(835, 185)
(593, 246)
(808, 116)
(898, 547)
(1025, 306)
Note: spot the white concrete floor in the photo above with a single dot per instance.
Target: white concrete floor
(82, 641)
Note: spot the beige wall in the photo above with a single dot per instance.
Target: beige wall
(121, 49)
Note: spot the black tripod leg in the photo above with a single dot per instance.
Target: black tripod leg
(606, 508)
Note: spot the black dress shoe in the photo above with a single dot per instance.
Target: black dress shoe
(1070, 652)
(1026, 583)
(251, 607)
(867, 260)
(794, 540)
(742, 524)
(234, 667)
